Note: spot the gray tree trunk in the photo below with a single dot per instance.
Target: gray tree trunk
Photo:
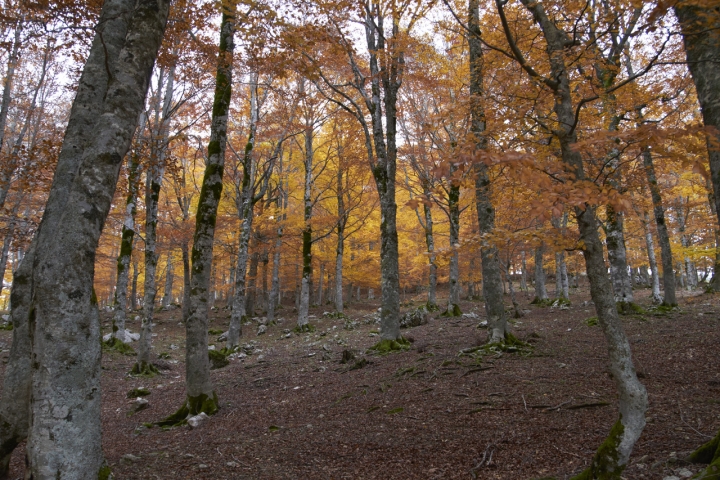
(656, 297)
(492, 283)
(540, 289)
(9, 79)
(430, 243)
(153, 185)
(274, 297)
(252, 283)
(133, 290)
(608, 462)
(562, 286)
(167, 294)
(307, 241)
(453, 308)
(60, 264)
(523, 273)
(666, 257)
(681, 216)
(201, 396)
(126, 248)
(244, 202)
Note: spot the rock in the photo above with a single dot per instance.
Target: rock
(672, 477)
(261, 330)
(211, 347)
(470, 315)
(482, 324)
(685, 473)
(140, 404)
(223, 337)
(414, 318)
(202, 466)
(173, 347)
(129, 458)
(197, 420)
(232, 464)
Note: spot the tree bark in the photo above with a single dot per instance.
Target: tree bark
(612, 457)
(666, 257)
(153, 185)
(9, 79)
(167, 294)
(540, 289)
(201, 396)
(126, 246)
(492, 283)
(453, 308)
(656, 297)
(60, 319)
(307, 272)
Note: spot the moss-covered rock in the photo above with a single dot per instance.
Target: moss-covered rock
(138, 392)
(104, 473)
(708, 453)
(630, 308)
(415, 318)
(218, 358)
(118, 346)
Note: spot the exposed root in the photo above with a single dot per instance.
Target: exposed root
(604, 465)
(218, 358)
(453, 310)
(307, 328)
(144, 369)
(630, 308)
(386, 346)
(192, 406)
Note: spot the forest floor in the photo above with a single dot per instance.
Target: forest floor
(292, 410)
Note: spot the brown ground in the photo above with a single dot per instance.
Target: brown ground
(288, 413)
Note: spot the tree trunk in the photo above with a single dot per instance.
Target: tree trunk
(252, 283)
(492, 283)
(153, 184)
(430, 242)
(167, 295)
(320, 284)
(613, 456)
(126, 245)
(201, 396)
(523, 273)
(662, 231)
(60, 263)
(9, 78)
(540, 290)
(453, 308)
(656, 297)
(307, 272)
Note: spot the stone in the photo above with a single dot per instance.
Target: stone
(684, 473)
(197, 420)
(129, 458)
(262, 329)
(223, 337)
(232, 464)
(472, 315)
(414, 318)
(672, 477)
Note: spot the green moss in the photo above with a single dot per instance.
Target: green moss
(592, 322)
(193, 406)
(452, 311)
(164, 355)
(386, 346)
(395, 410)
(711, 472)
(708, 452)
(6, 326)
(604, 464)
(104, 473)
(630, 308)
(218, 358)
(144, 369)
(541, 302)
(138, 392)
(432, 307)
(307, 328)
(118, 346)
(362, 363)
(334, 315)
(215, 331)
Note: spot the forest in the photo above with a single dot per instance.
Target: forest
(360, 239)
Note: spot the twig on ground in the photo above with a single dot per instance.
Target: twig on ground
(524, 402)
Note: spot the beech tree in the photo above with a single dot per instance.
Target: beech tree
(65, 395)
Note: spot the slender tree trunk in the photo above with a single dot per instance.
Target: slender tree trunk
(62, 316)
(274, 297)
(244, 203)
(186, 280)
(167, 294)
(540, 289)
(9, 79)
(303, 321)
(714, 285)
(612, 457)
(492, 281)
(133, 291)
(453, 308)
(339, 250)
(656, 297)
(153, 185)
(523, 273)
(662, 231)
(430, 242)
(320, 284)
(7, 242)
(252, 283)
(126, 246)
(201, 396)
